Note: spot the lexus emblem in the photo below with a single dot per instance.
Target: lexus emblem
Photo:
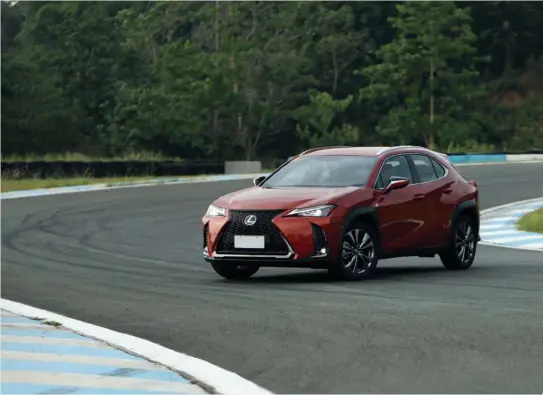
(250, 220)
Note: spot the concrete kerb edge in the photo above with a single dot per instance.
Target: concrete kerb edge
(508, 205)
(181, 180)
(208, 376)
(128, 184)
(505, 206)
(487, 244)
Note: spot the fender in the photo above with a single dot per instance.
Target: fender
(463, 206)
(367, 211)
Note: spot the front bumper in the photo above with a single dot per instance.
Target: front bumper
(291, 241)
(317, 263)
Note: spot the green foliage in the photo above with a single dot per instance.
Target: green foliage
(529, 125)
(268, 79)
(316, 121)
(426, 80)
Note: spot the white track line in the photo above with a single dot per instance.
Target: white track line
(522, 211)
(223, 381)
(520, 237)
(502, 219)
(484, 228)
(523, 248)
(534, 245)
(498, 232)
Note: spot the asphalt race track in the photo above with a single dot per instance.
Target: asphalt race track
(130, 260)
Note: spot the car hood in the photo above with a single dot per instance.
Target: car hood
(256, 198)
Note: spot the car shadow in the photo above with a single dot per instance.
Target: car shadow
(382, 273)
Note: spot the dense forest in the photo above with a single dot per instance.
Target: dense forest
(246, 80)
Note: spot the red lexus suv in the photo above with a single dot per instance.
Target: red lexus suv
(343, 209)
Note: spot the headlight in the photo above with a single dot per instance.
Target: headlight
(214, 211)
(316, 211)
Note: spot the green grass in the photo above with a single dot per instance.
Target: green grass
(532, 222)
(14, 181)
(78, 157)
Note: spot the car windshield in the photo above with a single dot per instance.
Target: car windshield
(323, 171)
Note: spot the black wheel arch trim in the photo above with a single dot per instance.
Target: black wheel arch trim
(356, 213)
(461, 208)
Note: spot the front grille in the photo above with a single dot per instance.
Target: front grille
(274, 242)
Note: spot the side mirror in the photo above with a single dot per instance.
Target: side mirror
(258, 180)
(396, 183)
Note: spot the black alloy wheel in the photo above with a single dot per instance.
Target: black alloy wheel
(358, 256)
(462, 249)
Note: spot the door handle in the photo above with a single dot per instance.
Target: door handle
(419, 196)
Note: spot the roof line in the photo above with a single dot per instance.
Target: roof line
(321, 148)
(398, 147)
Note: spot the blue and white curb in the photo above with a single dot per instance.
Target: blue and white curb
(468, 159)
(82, 358)
(40, 358)
(498, 226)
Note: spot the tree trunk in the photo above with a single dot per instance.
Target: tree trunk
(336, 72)
(215, 136)
(431, 137)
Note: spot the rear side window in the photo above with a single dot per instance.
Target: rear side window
(424, 167)
(438, 167)
(396, 166)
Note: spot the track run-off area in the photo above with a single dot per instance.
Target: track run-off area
(130, 260)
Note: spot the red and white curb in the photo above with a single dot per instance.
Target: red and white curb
(218, 380)
(498, 226)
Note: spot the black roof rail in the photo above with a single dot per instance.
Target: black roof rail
(321, 148)
(398, 147)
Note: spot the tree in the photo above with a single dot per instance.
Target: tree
(79, 44)
(318, 121)
(427, 76)
(227, 80)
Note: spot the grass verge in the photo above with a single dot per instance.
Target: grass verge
(79, 157)
(532, 222)
(36, 183)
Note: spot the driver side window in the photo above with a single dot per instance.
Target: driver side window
(396, 166)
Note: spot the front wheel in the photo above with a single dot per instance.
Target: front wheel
(460, 253)
(358, 256)
(234, 271)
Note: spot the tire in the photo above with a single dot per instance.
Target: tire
(462, 248)
(362, 263)
(233, 271)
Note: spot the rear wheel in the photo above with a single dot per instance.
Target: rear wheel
(358, 256)
(232, 271)
(462, 248)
